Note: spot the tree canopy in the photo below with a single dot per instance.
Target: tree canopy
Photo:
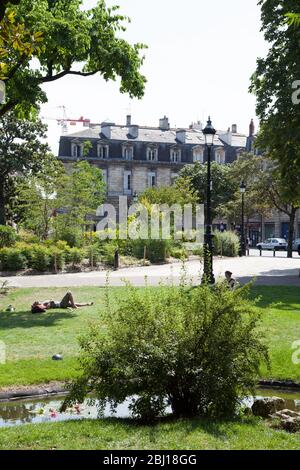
(272, 83)
(223, 186)
(21, 153)
(73, 42)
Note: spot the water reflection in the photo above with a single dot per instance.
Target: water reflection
(46, 410)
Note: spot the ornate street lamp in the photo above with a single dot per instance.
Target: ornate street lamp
(208, 276)
(243, 245)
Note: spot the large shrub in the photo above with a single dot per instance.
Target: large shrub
(8, 236)
(12, 259)
(41, 258)
(156, 250)
(195, 349)
(226, 244)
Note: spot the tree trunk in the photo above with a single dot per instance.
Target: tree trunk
(2, 204)
(291, 232)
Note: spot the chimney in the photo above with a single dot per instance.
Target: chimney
(196, 125)
(164, 124)
(181, 136)
(251, 128)
(128, 120)
(234, 128)
(133, 131)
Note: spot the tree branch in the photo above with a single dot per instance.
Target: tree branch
(52, 78)
(7, 107)
(16, 67)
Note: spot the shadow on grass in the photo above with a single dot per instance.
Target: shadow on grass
(283, 298)
(25, 319)
(169, 425)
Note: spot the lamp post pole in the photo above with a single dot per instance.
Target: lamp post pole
(243, 245)
(208, 276)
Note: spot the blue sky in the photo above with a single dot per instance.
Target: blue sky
(200, 58)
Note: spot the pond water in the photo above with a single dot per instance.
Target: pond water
(44, 410)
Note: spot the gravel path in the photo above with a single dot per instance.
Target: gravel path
(267, 270)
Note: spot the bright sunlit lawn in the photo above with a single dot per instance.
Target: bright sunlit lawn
(32, 340)
(242, 434)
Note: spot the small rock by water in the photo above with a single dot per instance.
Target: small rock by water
(264, 407)
(274, 408)
(288, 420)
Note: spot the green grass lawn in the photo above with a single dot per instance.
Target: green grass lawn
(121, 434)
(31, 340)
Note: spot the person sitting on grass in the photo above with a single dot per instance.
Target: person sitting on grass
(66, 302)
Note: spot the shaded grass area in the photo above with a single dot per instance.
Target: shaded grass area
(31, 340)
(116, 434)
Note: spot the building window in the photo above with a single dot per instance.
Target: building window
(220, 157)
(102, 151)
(175, 155)
(77, 150)
(151, 179)
(104, 176)
(152, 154)
(198, 155)
(128, 152)
(127, 182)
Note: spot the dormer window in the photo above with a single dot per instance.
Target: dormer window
(220, 157)
(175, 155)
(198, 153)
(127, 152)
(77, 150)
(152, 154)
(102, 151)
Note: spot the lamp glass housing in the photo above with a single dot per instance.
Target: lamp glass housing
(243, 187)
(209, 133)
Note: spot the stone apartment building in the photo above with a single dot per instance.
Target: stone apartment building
(133, 158)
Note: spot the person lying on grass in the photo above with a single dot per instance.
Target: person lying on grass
(66, 302)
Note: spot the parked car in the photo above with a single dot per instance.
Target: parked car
(296, 245)
(273, 244)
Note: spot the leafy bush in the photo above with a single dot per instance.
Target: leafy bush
(195, 349)
(178, 253)
(57, 258)
(8, 236)
(93, 254)
(41, 258)
(12, 259)
(109, 250)
(75, 255)
(71, 235)
(156, 250)
(226, 244)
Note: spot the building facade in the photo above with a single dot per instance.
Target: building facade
(133, 158)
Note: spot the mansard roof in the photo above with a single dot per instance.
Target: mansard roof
(145, 134)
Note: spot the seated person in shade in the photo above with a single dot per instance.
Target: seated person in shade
(230, 280)
(66, 302)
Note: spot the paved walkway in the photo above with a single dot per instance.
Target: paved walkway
(267, 270)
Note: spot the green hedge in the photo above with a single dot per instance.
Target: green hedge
(12, 259)
(156, 250)
(226, 244)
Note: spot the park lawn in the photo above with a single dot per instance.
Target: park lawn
(31, 340)
(113, 434)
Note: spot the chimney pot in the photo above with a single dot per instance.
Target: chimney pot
(164, 124)
(128, 120)
(234, 128)
(251, 128)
